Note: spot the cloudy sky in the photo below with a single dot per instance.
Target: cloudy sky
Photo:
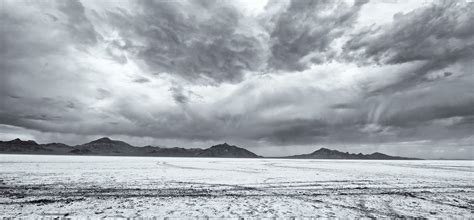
(278, 77)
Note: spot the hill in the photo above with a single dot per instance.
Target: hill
(325, 153)
(226, 150)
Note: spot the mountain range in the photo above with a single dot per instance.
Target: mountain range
(108, 147)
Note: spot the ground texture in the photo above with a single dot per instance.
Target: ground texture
(231, 188)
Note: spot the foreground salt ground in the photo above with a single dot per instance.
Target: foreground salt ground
(32, 185)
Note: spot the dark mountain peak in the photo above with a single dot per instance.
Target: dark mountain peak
(226, 150)
(326, 151)
(106, 146)
(323, 149)
(102, 140)
(224, 145)
(18, 141)
(105, 141)
(19, 146)
(378, 153)
(56, 144)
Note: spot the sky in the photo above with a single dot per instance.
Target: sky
(275, 77)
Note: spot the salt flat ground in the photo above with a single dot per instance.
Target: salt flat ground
(33, 185)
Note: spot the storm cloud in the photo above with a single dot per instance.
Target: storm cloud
(283, 77)
(296, 42)
(197, 40)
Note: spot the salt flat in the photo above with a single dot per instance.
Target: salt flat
(33, 185)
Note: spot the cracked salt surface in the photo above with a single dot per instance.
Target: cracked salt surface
(78, 186)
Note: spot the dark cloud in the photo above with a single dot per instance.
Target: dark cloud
(54, 18)
(38, 71)
(103, 94)
(431, 102)
(212, 40)
(295, 132)
(193, 39)
(440, 34)
(303, 32)
(179, 95)
(80, 27)
(141, 80)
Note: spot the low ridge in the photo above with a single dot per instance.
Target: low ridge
(325, 153)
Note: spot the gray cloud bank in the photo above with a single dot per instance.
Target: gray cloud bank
(299, 74)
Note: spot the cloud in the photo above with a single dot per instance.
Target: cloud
(302, 32)
(78, 24)
(141, 80)
(433, 103)
(178, 94)
(440, 34)
(213, 42)
(439, 39)
(193, 39)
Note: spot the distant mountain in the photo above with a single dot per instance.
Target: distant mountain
(108, 147)
(18, 146)
(225, 150)
(325, 153)
(105, 146)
